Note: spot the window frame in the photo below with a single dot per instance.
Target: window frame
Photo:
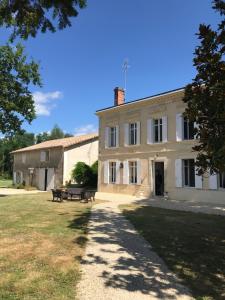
(188, 129)
(158, 126)
(112, 137)
(112, 172)
(46, 156)
(188, 173)
(23, 158)
(133, 172)
(133, 132)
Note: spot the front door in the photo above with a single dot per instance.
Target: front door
(159, 178)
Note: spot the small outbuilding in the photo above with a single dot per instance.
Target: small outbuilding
(49, 164)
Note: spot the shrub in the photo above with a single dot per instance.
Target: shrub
(85, 175)
(94, 169)
(82, 173)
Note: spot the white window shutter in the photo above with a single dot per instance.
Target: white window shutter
(198, 180)
(213, 182)
(106, 137)
(21, 177)
(139, 172)
(179, 127)
(164, 129)
(178, 172)
(125, 172)
(138, 133)
(150, 131)
(118, 172)
(106, 172)
(14, 177)
(43, 155)
(126, 134)
(117, 136)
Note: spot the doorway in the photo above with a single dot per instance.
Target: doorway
(46, 180)
(159, 178)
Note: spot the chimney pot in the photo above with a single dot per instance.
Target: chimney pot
(119, 95)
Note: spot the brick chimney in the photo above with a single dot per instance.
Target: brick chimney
(119, 96)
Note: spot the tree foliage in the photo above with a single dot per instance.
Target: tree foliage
(56, 133)
(205, 97)
(16, 101)
(27, 17)
(11, 143)
(85, 175)
(82, 173)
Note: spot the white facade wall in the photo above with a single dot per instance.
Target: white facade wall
(87, 153)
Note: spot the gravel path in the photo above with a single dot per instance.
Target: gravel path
(10, 191)
(120, 265)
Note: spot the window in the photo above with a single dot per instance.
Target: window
(158, 130)
(188, 129)
(133, 133)
(222, 180)
(23, 158)
(112, 172)
(112, 136)
(189, 172)
(19, 177)
(45, 155)
(132, 172)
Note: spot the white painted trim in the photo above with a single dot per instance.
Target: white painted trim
(164, 129)
(150, 131)
(106, 172)
(179, 127)
(178, 173)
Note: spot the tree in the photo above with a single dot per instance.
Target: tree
(27, 17)
(56, 133)
(94, 169)
(42, 137)
(82, 173)
(205, 96)
(16, 101)
(8, 144)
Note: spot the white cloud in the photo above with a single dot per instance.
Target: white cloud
(45, 102)
(85, 129)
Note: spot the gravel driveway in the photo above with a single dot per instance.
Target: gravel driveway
(8, 192)
(120, 265)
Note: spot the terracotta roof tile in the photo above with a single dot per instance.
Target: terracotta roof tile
(66, 142)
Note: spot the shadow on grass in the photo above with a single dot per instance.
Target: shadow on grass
(192, 245)
(127, 260)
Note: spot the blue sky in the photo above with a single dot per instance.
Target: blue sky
(80, 66)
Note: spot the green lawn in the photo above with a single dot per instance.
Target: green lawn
(41, 244)
(4, 183)
(192, 245)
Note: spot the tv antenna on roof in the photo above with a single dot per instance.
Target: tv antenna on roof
(125, 68)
